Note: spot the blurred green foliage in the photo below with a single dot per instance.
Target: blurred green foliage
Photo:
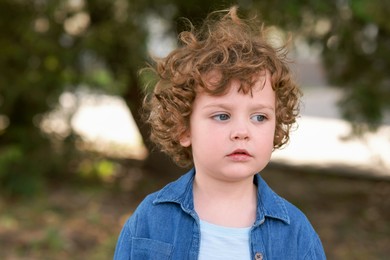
(48, 47)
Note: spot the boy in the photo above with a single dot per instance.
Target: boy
(224, 100)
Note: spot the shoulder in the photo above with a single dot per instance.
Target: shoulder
(284, 210)
(296, 215)
(308, 241)
(276, 207)
(141, 212)
(145, 233)
(289, 223)
(164, 205)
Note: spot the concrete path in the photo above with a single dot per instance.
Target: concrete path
(323, 143)
(321, 140)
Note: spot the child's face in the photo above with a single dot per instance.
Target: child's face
(231, 136)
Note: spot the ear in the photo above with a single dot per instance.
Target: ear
(185, 140)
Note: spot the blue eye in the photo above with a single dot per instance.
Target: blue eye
(221, 117)
(258, 118)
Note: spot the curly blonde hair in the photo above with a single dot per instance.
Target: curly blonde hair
(237, 49)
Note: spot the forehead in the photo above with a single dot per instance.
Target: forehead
(261, 94)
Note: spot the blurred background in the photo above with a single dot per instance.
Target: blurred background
(75, 159)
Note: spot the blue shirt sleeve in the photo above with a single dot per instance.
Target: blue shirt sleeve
(316, 251)
(123, 246)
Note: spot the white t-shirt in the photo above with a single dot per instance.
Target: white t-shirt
(219, 242)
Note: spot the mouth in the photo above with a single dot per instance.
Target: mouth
(240, 152)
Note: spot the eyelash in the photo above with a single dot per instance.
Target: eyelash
(218, 117)
(225, 116)
(263, 118)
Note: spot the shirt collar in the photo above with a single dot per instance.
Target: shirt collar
(269, 204)
(180, 191)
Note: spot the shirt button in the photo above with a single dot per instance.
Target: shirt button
(259, 256)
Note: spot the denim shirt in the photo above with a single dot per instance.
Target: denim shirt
(166, 226)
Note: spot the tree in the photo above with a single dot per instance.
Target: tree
(48, 47)
(356, 57)
(354, 38)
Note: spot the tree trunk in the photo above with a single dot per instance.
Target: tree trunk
(158, 164)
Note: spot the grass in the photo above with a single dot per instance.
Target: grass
(350, 214)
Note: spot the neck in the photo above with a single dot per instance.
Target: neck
(230, 204)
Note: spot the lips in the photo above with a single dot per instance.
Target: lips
(240, 151)
(240, 155)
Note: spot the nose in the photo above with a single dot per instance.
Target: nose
(240, 132)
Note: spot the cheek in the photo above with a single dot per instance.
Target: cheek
(269, 136)
(266, 142)
(206, 139)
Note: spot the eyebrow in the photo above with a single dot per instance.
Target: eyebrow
(227, 106)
